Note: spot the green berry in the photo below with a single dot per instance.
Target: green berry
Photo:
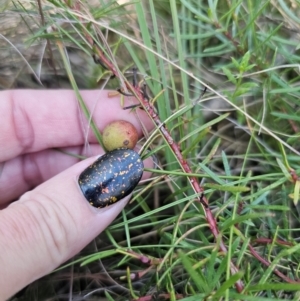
(118, 134)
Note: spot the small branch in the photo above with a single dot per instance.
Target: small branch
(150, 109)
(267, 241)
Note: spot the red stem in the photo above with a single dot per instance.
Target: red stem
(149, 108)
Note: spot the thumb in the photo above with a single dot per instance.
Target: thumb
(46, 227)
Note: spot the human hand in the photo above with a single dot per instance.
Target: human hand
(51, 221)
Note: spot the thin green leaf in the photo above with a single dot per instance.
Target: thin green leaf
(197, 276)
(228, 284)
(227, 187)
(230, 76)
(239, 219)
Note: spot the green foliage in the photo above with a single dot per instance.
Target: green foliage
(241, 140)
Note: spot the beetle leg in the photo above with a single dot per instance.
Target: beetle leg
(123, 93)
(201, 95)
(132, 107)
(134, 79)
(144, 91)
(98, 61)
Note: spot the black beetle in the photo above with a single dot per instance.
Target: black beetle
(111, 177)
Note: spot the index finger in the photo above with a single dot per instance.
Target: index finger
(33, 120)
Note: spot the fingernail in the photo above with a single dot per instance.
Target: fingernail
(111, 177)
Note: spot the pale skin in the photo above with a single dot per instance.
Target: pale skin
(51, 221)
